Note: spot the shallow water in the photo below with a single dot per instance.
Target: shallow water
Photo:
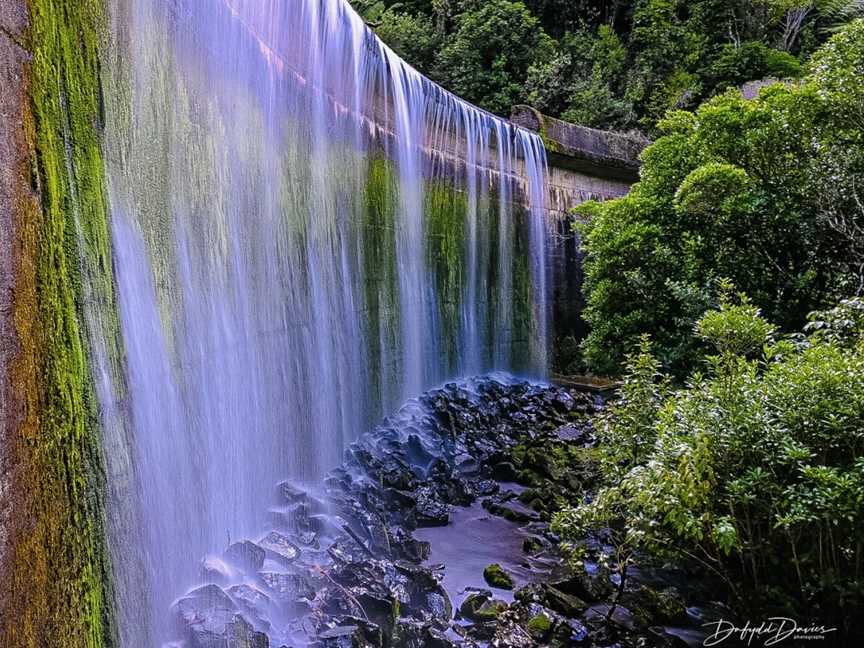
(472, 541)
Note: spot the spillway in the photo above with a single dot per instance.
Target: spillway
(306, 233)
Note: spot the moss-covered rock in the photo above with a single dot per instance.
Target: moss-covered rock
(531, 545)
(652, 606)
(539, 626)
(495, 575)
(480, 607)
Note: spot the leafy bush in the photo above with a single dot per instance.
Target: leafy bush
(735, 65)
(755, 468)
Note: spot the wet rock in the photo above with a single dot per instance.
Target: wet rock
(208, 618)
(241, 634)
(206, 609)
(288, 588)
(657, 607)
(566, 604)
(663, 638)
(430, 510)
(438, 604)
(552, 598)
(587, 587)
(483, 487)
(621, 616)
(496, 577)
(509, 509)
(570, 433)
(355, 633)
(509, 633)
(504, 472)
(490, 610)
(563, 401)
(381, 608)
(216, 570)
(437, 639)
(358, 580)
(410, 634)
(292, 517)
(473, 602)
(252, 602)
(408, 547)
(291, 494)
(246, 555)
(308, 539)
(279, 547)
(570, 632)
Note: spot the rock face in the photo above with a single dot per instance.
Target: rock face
(352, 573)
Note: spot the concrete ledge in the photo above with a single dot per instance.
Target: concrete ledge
(587, 150)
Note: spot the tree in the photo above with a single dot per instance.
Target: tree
(738, 189)
(486, 60)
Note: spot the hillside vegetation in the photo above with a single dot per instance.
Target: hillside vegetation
(613, 64)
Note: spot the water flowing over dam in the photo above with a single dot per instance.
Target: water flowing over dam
(297, 250)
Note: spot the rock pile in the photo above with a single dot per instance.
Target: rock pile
(342, 568)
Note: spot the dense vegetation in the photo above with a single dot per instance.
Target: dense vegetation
(765, 192)
(736, 444)
(619, 64)
(753, 470)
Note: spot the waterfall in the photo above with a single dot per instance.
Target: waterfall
(306, 232)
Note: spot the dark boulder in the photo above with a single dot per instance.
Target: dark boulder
(430, 510)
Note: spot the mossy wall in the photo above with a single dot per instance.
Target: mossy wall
(56, 571)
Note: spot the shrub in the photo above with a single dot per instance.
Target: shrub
(756, 469)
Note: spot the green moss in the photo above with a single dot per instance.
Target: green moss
(539, 626)
(495, 575)
(381, 283)
(61, 569)
(445, 234)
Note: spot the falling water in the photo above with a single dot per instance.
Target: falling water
(306, 232)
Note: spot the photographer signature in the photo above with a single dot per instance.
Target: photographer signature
(772, 631)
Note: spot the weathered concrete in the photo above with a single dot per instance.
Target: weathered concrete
(584, 163)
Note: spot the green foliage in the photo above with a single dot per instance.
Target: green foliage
(756, 465)
(763, 192)
(842, 325)
(735, 65)
(486, 59)
(581, 81)
(609, 65)
(627, 431)
(412, 36)
(735, 329)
